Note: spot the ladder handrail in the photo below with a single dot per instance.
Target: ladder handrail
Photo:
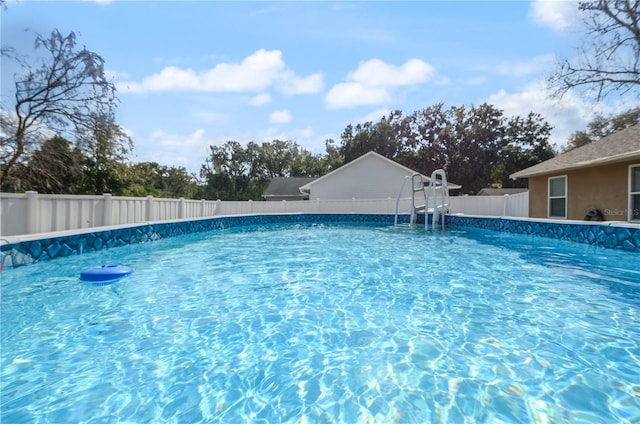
(395, 221)
(413, 215)
(433, 190)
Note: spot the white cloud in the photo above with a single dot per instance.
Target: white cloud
(260, 99)
(372, 83)
(540, 63)
(256, 72)
(376, 73)
(290, 84)
(280, 117)
(565, 115)
(349, 94)
(189, 151)
(518, 68)
(374, 116)
(557, 14)
(305, 137)
(168, 140)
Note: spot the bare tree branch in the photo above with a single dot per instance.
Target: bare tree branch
(609, 60)
(64, 90)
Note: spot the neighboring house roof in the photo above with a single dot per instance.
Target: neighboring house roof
(500, 191)
(307, 187)
(618, 147)
(283, 187)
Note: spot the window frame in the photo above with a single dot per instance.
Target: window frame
(631, 209)
(550, 198)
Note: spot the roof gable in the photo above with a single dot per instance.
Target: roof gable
(358, 161)
(500, 191)
(618, 147)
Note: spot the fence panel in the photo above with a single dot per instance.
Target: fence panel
(31, 213)
(516, 205)
(13, 214)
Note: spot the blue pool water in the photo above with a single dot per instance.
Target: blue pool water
(327, 324)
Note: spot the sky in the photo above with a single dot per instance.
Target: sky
(191, 74)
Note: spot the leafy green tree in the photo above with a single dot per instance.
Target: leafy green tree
(280, 158)
(333, 159)
(274, 159)
(153, 179)
(234, 172)
(177, 182)
(577, 139)
(423, 134)
(54, 168)
(477, 146)
(227, 173)
(526, 144)
(64, 90)
(363, 138)
(105, 146)
(601, 127)
(478, 136)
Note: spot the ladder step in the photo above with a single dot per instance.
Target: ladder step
(419, 208)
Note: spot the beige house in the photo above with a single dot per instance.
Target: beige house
(598, 181)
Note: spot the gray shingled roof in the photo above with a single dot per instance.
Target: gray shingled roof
(500, 191)
(618, 147)
(286, 187)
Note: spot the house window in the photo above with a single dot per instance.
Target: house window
(634, 193)
(558, 197)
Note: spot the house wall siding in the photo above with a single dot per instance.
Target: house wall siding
(371, 178)
(602, 187)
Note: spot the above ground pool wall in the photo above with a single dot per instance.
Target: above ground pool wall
(25, 250)
(611, 235)
(21, 251)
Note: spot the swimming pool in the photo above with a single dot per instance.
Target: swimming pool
(327, 323)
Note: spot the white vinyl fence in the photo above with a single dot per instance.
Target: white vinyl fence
(516, 205)
(32, 213)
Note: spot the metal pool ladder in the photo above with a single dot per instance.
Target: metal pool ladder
(427, 193)
(439, 210)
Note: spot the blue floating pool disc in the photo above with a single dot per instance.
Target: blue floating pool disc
(105, 274)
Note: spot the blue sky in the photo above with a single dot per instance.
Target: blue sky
(194, 74)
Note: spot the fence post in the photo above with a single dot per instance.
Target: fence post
(33, 213)
(150, 215)
(181, 212)
(505, 205)
(202, 208)
(107, 208)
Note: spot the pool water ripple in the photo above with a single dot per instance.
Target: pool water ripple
(327, 324)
